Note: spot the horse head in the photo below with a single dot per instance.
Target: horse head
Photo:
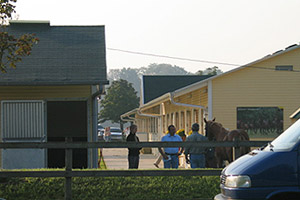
(209, 129)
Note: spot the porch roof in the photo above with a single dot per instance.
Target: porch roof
(155, 86)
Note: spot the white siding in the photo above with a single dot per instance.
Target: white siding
(22, 119)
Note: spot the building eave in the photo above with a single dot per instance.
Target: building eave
(296, 114)
(156, 101)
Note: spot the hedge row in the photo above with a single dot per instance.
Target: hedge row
(159, 188)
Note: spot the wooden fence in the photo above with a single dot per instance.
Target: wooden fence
(68, 173)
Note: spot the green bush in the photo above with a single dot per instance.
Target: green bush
(111, 188)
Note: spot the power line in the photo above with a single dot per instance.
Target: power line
(193, 60)
(172, 57)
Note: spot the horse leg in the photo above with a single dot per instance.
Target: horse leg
(229, 154)
(219, 162)
(220, 159)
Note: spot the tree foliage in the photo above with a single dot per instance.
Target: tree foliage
(133, 75)
(120, 98)
(12, 48)
(163, 69)
(210, 71)
(129, 74)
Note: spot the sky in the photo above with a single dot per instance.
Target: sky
(214, 32)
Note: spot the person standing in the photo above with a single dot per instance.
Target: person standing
(107, 134)
(133, 153)
(182, 163)
(170, 154)
(196, 154)
(159, 158)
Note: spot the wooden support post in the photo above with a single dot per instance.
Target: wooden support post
(68, 162)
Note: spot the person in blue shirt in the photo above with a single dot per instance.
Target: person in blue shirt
(170, 154)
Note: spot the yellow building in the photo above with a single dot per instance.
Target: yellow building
(261, 97)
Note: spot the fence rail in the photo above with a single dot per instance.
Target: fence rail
(80, 145)
(110, 173)
(68, 173)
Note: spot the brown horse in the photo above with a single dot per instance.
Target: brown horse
(214, 131)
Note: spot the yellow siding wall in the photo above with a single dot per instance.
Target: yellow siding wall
(197, 97)
(258, 87)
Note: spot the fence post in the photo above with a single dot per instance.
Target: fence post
(68, 178)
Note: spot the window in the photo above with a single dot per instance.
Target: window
(284, 68)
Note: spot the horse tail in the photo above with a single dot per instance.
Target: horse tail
(245, 135)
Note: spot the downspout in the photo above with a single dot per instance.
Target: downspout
(99, 92)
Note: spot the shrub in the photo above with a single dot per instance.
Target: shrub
(111, 188)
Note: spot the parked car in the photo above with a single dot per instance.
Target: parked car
(116, 134)
(100, 133)
(271, 172)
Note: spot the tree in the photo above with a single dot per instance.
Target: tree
(121, 98)
(210, 71)
(12, 49)
(163, 69)
(133, 75)
(129, 74)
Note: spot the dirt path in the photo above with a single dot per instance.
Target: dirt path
(117, 159)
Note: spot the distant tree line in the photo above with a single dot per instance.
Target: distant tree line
(133, 75)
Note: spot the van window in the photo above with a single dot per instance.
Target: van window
(287, 140)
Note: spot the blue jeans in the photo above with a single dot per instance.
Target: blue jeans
(173, 163)
(197, 160)
(107, 138)
(133, 162)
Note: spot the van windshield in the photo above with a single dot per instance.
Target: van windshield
(287, 140)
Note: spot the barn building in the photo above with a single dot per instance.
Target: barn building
(52, 94)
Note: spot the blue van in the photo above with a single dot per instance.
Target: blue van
(272, 172)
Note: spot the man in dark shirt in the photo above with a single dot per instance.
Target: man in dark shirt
(197, 154)
(133, 153)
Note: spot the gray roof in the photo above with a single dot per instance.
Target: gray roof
(65, 55)
(157, 85)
